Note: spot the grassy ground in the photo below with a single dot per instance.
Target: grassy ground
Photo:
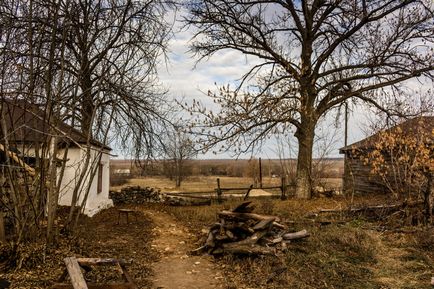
(351, 252)
(356, 253)
(40, 266)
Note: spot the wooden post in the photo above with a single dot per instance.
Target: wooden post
(2, 229)
(219, 191)
(283, 187)
(260, 173)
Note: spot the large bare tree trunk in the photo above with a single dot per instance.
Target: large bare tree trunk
(305, 136)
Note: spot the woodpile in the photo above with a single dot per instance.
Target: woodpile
(136, 195)
(174, 200)
(242, 232)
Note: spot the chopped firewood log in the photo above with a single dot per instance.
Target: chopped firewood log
(210, 240)
(247, 249)
(199, 250)
(253, 239)
(280, 226)
(221, 238)
(240, 229)
(230, 234)
(277, 240)
(242, 232)
(244, 216)
(215, 226)
(264, 224)
(244, 208)
(297, 235)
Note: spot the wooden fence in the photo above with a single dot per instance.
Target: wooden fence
(283, 189)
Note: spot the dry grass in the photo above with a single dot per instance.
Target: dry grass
(350, 255)
(195, 184)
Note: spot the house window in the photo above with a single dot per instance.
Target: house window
(100, 170)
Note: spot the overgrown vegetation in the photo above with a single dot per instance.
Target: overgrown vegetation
(402, 159)
(352, 251)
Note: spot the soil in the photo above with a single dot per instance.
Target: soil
(158, 246)
(177, 268)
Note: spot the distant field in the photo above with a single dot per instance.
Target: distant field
(232, 173)
(196, 184)
(332, 167)
(209, 183)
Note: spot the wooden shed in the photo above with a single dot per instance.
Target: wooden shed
(358, 176)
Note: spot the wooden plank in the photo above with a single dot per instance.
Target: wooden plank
(241, 208)
(245, 216)
(19, 161)
(264, 224)
(297, 235)
(75, 274)
(102, 261)
(97, 286)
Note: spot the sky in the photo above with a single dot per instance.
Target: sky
(186, 79)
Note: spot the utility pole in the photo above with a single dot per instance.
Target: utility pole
(346, 124)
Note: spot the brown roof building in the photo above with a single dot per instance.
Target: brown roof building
(358, 176)
(26, 123)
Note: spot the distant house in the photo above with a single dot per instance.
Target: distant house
(357, 173)
(27, 131)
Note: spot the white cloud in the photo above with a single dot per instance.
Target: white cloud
(189, 80)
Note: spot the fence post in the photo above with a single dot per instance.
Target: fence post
(283, 187)
(219, 192)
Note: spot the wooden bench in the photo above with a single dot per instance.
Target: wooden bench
(126, 213)
(73, 269)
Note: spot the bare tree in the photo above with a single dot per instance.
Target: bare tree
(179, 149)
(87, 64)
(312, 56)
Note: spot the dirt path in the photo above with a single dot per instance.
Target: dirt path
(176, 269)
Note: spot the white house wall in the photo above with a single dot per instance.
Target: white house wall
(74, 166)
(98, 201)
